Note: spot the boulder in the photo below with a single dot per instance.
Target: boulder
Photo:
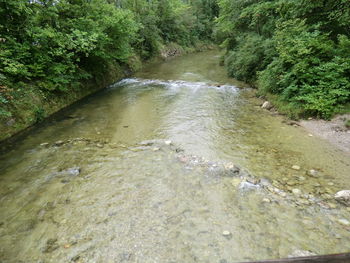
(267, 105)
(343, 197)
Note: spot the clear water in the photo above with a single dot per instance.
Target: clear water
(136, 200)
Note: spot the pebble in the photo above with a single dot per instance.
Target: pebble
(266, 200)
(226, 233)
(59, 143)
(344, 222)
(229, 166)
(155, 149)
(296, 191)
(296, 167)
(99, 145)
(168, 142)
(283, 194)
(310, 135)
(312, 172)
(44, 144)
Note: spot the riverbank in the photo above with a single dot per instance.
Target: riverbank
(31, 106)
(334, 131)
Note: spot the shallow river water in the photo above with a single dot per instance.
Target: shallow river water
(178, 164)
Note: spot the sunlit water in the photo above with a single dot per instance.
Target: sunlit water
(140, 198)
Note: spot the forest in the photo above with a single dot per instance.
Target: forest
(296, 53)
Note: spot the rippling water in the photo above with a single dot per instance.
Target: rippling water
(146, 171)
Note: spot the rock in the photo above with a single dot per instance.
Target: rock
(296, 167)
(343, 197)
(283, 194)
(344, 222)
(229, 166)
(264, 182)
(59, 143)
(168, 142)
(99, 145)
(156, 149)
(246, 186)
(296, 191)
(266, 200)
(226, 233)
(44, 144)
(267, 105)
(74, 171)
(312, 172)
(301, 253)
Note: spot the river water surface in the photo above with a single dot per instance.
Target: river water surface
(178, 164)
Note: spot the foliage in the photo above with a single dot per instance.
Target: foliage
(53, 45)
(298, 50)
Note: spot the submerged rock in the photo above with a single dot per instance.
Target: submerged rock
(344, 222)
(296, 167)
(246, 186)
(73, 171)
(168, 142)
(296, 191)
(343, 197)
(58, 143)
(312, 172)
(301, 253)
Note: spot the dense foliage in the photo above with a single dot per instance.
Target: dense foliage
(299, 50)
(52, 45)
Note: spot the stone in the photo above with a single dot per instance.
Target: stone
(73, 171)
(59, 143)
(343, 197)
(226, 233)
(168, 142)
(283, 194)
(266, 200)
(99, 145)
(301, 253)
(344, 222)
(267, 105)
(296, 167)
(44, 144)
(264, 182)
(156, 149)
(246, 186)
(229, 166)
(312, 172)
(296, 191)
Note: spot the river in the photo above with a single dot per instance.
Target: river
(177, 164)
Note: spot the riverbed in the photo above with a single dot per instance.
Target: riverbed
(177, 164)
